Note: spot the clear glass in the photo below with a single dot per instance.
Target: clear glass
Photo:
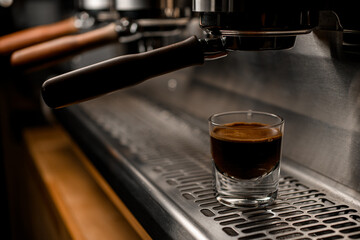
(246, 151)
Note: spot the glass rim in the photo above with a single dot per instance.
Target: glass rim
(211, 118)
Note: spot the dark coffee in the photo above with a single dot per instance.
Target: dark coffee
(245, 151)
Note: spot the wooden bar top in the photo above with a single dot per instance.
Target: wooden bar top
(86, 206)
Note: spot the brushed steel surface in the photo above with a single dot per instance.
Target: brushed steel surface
(94, 4)
(135, 5)
(163, 154)
(235, 5)
(212, 6)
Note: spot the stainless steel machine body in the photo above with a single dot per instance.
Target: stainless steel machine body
(151, 144)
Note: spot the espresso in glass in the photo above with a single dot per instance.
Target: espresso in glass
(246, 150)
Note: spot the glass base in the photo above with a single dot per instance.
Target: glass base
(236, 201)
(255, 192)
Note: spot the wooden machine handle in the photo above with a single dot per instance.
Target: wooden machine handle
(17, 40)
(120, 72)
(63, 45)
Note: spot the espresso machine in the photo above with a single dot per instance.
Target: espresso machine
(300, 60)
(230, 27)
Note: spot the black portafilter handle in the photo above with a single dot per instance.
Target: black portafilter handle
(120, 72)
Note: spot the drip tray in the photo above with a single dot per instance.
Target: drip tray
(158, 162)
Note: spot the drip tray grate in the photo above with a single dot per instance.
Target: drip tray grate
(298, 213)
(175, 162)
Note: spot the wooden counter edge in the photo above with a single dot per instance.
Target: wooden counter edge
(52, 142)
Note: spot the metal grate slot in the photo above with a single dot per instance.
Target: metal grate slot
(308, 207)
(304, 202)
(177, 162)
(356, 236)
(343, 225)
(282, 230)
(304, 223)
(284, 209)
(254, 236)
(259, 222)
(311, 228)
(297, 218)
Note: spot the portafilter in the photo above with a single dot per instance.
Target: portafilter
(230, 25)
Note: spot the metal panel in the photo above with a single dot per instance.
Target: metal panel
(167, 152)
